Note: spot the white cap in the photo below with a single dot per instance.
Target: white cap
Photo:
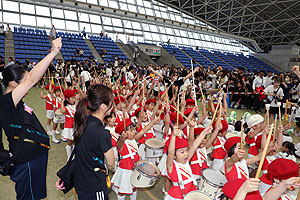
(254, 119)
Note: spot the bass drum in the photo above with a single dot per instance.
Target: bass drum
(196, 195)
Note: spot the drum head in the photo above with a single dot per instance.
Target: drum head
(58, 112)
(214, 177)
(155, 143)
(147, 168)
(196, 195)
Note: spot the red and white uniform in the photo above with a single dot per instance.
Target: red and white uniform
(114, 140)
(239, 171)
(266, 178)
(49, 102)
(149, 114)
(183, 181)
(218, 147)
(148, 135)
(69, 122)
(199, 162)
(253, 150)
(287, 195)
(58, 118)
(121, 179)
(133, 109)
(49, 107)
(119, 115)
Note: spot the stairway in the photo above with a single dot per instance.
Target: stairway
(128, 52)
(59, 55)
(167, 58)
(9, 49)
(142, 55)
(191, 57)
(94, 51)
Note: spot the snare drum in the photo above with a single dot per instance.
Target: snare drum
(144, 175)
(196, 195)
(59, 115)
(211, 183)
(154, 148)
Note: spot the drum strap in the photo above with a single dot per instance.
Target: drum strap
(49, 102)
(131, 154)
(181, 183)
(264, 171)
(252, 144)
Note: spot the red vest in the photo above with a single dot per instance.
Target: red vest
(199, 161)
(129, 155)
(219, 151)
(238, 171)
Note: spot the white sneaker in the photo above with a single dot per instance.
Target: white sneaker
(64, 140)
(54, 140)
(49, 132)
(57, 132)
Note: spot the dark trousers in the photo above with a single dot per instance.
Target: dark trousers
(101, 195)
(30, 179)
(256, 102)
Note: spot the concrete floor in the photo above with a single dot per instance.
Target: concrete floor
(57, 159)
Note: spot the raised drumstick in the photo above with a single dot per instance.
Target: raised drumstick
(214, 116)
(242, 136)
(279, 107)
(268, 114)
(275, 127)
(264, 152)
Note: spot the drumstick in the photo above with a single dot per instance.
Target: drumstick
(285, 110)
(181, 114)
(275, 127)
(290, 120)
(177, 109)
(279, 108)
(298, 195)
(219, 91)
(59, 86)
(201, 91)
(214, 116)
(268, 114)
(242, 136)
(162, 107)
(264, 152)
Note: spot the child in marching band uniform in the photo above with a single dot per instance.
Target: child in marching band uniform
(110, 122)
(128, 150)
(256, 125)
(199, 161)
(49, 105)
(236, 165)
(58, 118)
(179, 170)
(69, 109)
(286, 176)
(149, 107)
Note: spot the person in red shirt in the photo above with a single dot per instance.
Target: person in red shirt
(68, 108)
(128, 150)
(179, 170)
(49, 104)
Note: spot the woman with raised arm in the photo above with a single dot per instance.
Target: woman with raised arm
(23, 129)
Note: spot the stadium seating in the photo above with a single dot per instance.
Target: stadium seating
(215, 58)
(30, 43)
(197, 56)
(180, 56)
(2, 45)
(111, 48)
(72, 41)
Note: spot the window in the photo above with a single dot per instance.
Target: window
(28, 20)
(117, 22)
(59, 24)
(131, 8)
(87, 27)
(70, 15)
(113, 4)
(123, 6)
(96, 28)
(27, 8)
(127, 24)
(95, 19)
(11, 18)
(106, 20)
(83, 17)
(136, 25)
(147, 4)
(43, 22)
(10, 5)
(57, 13)
(41, 10)
(92, 2)
(72, 25)
(103, 3)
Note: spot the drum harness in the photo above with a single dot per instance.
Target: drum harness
(181, 182)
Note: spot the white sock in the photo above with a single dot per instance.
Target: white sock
(69, 151)
(121, 197)
(48, 128)
(53, 135)
(133, 196)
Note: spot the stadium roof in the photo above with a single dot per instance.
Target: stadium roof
(268, 22)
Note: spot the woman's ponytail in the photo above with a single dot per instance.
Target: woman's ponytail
(80, 118)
